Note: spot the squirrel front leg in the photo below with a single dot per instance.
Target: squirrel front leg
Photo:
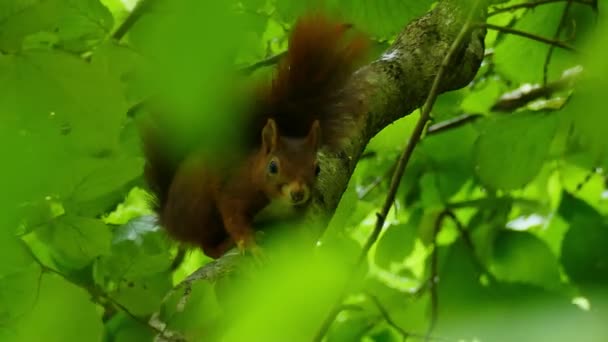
(238, 225)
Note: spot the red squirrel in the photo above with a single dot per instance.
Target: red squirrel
(303, 108)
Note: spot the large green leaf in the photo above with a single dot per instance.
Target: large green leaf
(522, 59)
(47, 320)
(522, 257)
(76, 241)
(584, 246)
(72, 24)
(139, 249)
(396, 242)
(511, 150)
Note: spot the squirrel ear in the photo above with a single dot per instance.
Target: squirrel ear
(269, 136)
(314, 136)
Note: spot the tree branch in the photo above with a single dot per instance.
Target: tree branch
(454, 48)
(529, 36)
(533, 4)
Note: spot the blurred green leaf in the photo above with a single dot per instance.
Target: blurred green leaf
(584, 254)
(522, 59)
(143, 296)
(396, 242)
(52, 316)
(75, 241)
(139, 249)
(522, 257)
(74, 25)
(511, 150)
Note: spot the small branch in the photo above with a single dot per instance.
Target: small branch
(533, 4)
(405, 334)
(272, 60)
(402, 163)
(528, 35)
(433, 278)
(452, 123)
(560, 26)
(387, 317)
(520, 97)
(368, 189)
(131, 19)
(587, 178)
(466, 238)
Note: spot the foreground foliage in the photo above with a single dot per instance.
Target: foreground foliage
(504, 203)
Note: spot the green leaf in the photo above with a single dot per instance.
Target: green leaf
(144, 295)
(122, 328)
(137, 269)
(53, 317)
(522, 59)
(448, 168)
(78, 107)
(16, 251)
(18, 293)
(382, 18)
(397, 242)
(76, 25)
(584, 246)
(522, 257)
(585, 116)
(74, 241)
(139, 249)
(98, 184)
(511, 150)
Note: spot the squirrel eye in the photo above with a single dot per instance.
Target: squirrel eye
(317, 170)
(273, 168)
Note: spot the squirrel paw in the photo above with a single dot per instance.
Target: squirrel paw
(253, 249)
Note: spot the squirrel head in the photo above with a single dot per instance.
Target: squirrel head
(288, 167)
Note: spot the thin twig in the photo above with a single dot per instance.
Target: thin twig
(452, 123)
(384, 312)
(387, 317)
(401, 164)
(132, 18)
(466, 238)
(528, 35)
(560, 26)
(525, 94)
(368, 189)
(272, 60)
(533, 4)
(433, 278)
(587, 178)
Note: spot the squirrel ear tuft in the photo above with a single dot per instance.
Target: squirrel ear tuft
(314, 135)
(269, 136)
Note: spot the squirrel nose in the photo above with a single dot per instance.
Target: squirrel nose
(297, 196)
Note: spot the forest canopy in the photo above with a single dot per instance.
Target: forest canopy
(498, 224)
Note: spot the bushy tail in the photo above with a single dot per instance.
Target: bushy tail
(161, 160)
(309, 82)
